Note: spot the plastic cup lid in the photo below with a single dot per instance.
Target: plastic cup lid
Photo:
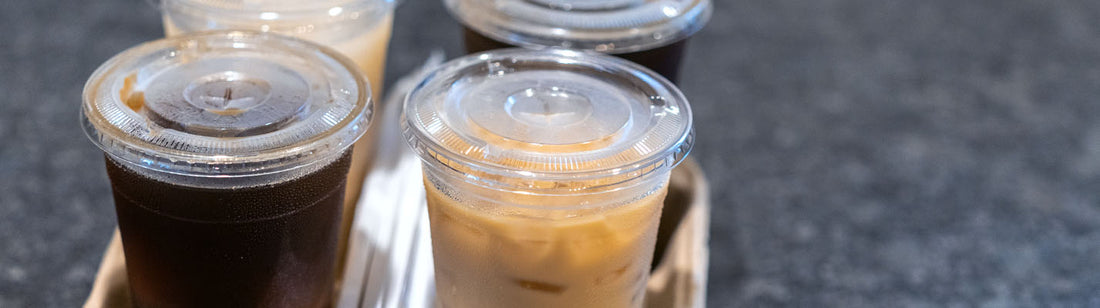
(226, 104)
(554, 118)
(611, 26)
(235, 13)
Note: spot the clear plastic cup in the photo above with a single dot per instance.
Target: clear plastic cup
(358, 28)
(227, 153)
(652, 33)
(545, 174)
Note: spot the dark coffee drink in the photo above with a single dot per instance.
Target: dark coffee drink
(664, 60)
(228, 154)
(269, 246)
(652, 33)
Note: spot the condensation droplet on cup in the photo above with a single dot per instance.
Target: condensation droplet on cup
(658, 101)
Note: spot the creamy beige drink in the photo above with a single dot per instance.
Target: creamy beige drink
(586, 258)
(545, 174)
(366, 46)
(360, 29)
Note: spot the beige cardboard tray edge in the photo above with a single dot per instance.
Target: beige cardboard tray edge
(680, 281)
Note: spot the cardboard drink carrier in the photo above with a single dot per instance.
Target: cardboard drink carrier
(388, 262)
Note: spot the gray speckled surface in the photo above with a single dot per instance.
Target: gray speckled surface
(862, 153)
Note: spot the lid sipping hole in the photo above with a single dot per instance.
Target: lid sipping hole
(229, 103)
(544, 109)
(548, 106)
(227, 93)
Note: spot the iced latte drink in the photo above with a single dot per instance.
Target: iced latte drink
(360, 29)
(545, 174)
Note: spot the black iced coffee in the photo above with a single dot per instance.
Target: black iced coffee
(652, 33)
(257, 246)
(228, 155)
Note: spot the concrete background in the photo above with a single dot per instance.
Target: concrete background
(882, 153)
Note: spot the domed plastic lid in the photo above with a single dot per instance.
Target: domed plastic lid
(548, 117)
(612, 26)
(226, 104)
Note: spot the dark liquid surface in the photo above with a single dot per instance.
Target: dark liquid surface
(267, 246)
(664, 60)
